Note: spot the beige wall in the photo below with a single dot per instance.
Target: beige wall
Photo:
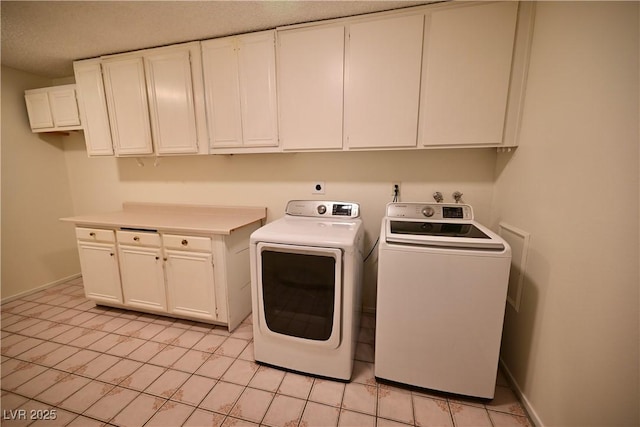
(573, 184)
(102, 184)
(36, 248)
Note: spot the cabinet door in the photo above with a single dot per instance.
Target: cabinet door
(64, 107)
(467, 67)
(222, 92)
(240, 84)
(93, 107)
(100, 274)
(142, 277)
(257, 60)
(39, 110)
(311, 87)
(383, 85)
(171, 100)
(126, 94)
(190, 284)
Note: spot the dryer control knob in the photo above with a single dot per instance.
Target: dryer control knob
(322, 209)
(428, 211)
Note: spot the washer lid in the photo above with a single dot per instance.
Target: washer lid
(305, 231)
(456, 234)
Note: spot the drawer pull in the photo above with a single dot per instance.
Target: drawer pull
(136, 238)
(185, 242)
(92, 234)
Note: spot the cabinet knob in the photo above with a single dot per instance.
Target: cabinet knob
(157, 258)
(136, 238)
(112, 254)
(92, 234)
(185, 242)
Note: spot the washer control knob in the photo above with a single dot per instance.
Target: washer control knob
(322, 209)
(428, 211)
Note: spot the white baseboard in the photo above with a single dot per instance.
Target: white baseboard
(39, 288)
(533, 415)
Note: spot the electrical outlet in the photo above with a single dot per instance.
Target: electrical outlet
(395, 189)
(318, 187)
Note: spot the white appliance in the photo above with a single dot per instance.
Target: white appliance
(306, 280)
(442, 288)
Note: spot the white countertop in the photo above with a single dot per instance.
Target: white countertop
(173, 217)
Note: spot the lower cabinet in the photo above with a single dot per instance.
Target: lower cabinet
(100, 272)
(142, 277)
(190, 284)
(204, 278)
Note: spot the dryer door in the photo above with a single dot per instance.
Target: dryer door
(300, 293)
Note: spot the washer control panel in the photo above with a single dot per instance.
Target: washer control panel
(323, 209)
(430, 211)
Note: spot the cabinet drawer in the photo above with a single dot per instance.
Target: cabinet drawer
(140, 238)
(174, 241)
(95, 234)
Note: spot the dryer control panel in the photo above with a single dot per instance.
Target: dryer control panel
(430, 211)
(323, 209)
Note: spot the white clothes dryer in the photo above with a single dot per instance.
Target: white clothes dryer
(306, 281)
(442, 288)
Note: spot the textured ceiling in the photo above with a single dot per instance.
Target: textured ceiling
(44, 37)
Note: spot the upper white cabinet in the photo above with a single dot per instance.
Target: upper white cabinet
(172, 104)
(311, 87)
(240, 88)
(126, 93)
(467, 73)
(93, 107)
(155, 101)
(438, 75)
(383, 82)
(52, 109)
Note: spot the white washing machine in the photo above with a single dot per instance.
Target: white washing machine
(306, 281)
(442, 288)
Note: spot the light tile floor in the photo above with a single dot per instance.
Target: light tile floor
(66, 361)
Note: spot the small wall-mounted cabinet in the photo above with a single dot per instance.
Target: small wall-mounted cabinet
(240, 85)
(53, 109)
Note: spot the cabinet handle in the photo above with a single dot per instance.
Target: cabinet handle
(92, 234)
(136, 238)
(185, 242)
